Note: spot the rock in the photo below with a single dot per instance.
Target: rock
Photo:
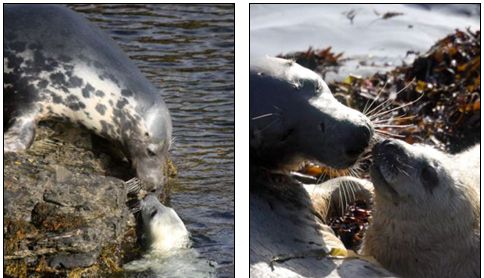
(61, 210)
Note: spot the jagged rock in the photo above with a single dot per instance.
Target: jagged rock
(62, 210)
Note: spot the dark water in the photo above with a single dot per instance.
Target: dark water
(188, 52)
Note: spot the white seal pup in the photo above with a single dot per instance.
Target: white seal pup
(167, 242)
(58, 65)
(426, 215)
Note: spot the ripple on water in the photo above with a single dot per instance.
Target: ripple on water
(188, 52)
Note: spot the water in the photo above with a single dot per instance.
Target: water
(188, 52)
(371, 43)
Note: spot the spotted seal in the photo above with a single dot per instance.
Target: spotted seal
(58, 65)
(426, 215)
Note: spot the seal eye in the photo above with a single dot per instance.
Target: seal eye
(153, 213)
(429, 178)
(150, 152)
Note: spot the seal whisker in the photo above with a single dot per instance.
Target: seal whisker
(389, 133)
(263, 116)
(392, 126)
(391, 119)
(365, 110)
(374, 111)
(396, 108)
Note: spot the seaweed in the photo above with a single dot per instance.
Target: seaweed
(435, 101)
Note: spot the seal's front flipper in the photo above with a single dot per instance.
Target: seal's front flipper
(19, 135)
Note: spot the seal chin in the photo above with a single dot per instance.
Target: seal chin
(382, 187)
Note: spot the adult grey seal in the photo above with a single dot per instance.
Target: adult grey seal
(58, 65)
(294, 117)
(426, 214)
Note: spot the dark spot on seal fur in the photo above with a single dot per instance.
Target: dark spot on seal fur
(87, 90)
(75, 81)
(101, 108)
(99, 93)
(18, 46)
(74, 103)
(42, 84)
(121, 103)
(111, 102)
(13, 61)
(56, 98)
(126, 92)
(58, 79)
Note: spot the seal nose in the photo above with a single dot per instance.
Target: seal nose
(358, 141)
(387, 146)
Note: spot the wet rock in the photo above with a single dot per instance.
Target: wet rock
(72, 260)
(61, 209)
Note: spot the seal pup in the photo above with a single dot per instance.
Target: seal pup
(426, 214)
(59, 66)
(164, 237)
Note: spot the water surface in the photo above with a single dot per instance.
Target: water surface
(188, 52)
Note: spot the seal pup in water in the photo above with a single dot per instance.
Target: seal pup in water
(58, 65)
(426, 214)
(165, 239)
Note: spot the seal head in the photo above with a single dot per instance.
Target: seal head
(294, 116)
(410, 173)
(426, 214)
(161, 229)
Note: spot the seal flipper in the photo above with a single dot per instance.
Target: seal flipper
(20, 135)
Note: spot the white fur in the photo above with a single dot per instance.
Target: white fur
(168, 232)
(430, 234)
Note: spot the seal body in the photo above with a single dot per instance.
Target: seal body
(294, 116)
(58, 65)
(426, 218)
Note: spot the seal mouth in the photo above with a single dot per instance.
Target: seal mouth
(320, 172)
